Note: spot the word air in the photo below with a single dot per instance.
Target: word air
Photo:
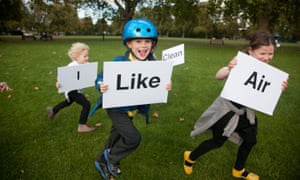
(260, 85)
(137, 82)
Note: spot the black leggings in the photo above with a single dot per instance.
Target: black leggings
(247, 131)
(79, 98)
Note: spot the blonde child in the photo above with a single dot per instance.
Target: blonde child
(79, 54)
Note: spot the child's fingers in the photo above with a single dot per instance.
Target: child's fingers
(103, 87)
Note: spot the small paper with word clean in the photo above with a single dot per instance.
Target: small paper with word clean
(136, 83)
(254, 84)
(175, 54)
(77, 77)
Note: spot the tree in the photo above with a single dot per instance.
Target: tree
(162, 18)
(203, 25)
(101, 27)
(160, 15)
(184, 12)
(86, 27)
(288, 24)
(53, 16)
(265, 14)
(10, 11)
(38, 16)
(63, 18)
(125, 9)
(128, 10)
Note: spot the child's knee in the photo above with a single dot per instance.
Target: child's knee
(86, 105)
(134, 141)
(250, 141)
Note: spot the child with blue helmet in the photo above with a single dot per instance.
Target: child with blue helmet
(140, 37)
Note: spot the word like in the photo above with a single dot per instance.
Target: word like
(138, 82)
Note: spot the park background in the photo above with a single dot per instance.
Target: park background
(220, 19)
(33, 147)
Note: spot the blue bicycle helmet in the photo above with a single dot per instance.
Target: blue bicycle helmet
(139, 28)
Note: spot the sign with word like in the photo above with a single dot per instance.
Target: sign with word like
(175, 54)
(254, 84)
(77, 77)
(136, 83)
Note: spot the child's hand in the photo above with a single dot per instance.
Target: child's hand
(284, 85)
(103, 87)
(169, 86)
(224, 71)
(232, 63)
(4, 87)
(57, 84)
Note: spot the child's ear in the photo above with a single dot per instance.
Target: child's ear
(128, 44)
(250, 50)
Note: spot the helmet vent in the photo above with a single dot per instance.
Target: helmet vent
(138, 30)
(148, 30)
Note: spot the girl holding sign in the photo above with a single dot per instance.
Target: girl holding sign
(79, 54)
(140, 38)
(229, 120)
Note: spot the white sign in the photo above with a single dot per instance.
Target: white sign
(136, 83)
(175, 54)
(77, 77)
(254, 84)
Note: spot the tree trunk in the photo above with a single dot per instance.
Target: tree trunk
(128, 11)
(262, 23)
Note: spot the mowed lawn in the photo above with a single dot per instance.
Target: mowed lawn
(33, 147)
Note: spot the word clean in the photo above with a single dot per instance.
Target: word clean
(262, 84)
(173, 55)
(138, 81)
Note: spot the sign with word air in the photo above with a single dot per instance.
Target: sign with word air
(77, 77)
(254, 84)
(175, 54)
(136, 83)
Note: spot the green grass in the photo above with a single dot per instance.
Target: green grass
(32, 147)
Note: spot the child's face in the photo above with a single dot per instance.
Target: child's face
(140, 47)
(83, 57)
(264, 53)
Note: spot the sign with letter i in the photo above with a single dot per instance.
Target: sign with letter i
(77, 77)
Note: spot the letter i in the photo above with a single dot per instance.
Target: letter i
(260, 82)
(132, 81)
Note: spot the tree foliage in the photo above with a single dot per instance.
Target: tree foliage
(272, 15)
(11, 11)
(183, 18)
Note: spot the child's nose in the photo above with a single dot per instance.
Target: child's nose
(267, 58)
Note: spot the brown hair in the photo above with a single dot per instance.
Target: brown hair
(261, 38)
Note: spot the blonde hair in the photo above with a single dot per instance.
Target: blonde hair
(76, 50)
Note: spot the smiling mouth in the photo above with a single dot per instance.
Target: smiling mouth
(142, 53)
